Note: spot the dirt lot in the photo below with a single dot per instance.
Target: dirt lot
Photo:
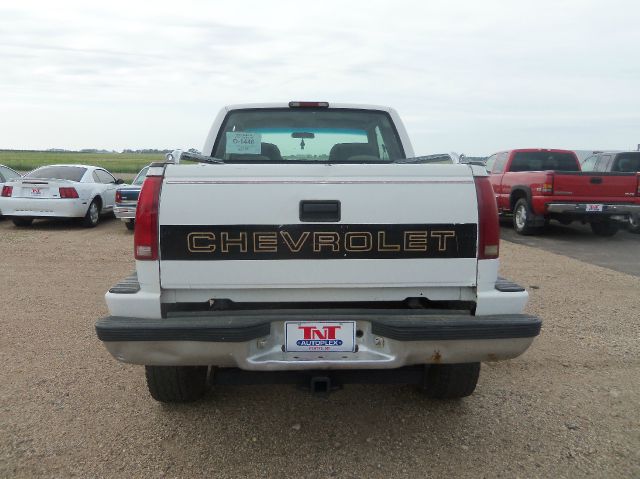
(570, 407)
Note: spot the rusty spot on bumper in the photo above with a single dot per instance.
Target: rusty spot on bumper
(436, 357)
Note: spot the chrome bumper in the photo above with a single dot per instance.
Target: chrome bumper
(125, 211)
(254, 340)
(608, 209)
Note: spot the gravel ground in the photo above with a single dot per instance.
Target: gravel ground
(568, 408)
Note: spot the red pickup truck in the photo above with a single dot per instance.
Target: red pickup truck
(534, 186)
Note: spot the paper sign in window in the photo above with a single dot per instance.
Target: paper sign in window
(243, 142)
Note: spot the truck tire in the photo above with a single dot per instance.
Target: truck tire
(604, 228)
(634, 225)
(523, 218)
(92, 217)
(131, 224)
(19, 221)
(451, 381)
(176, 384)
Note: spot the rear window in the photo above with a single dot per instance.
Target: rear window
(73, 173)
(308, 135)
(626, 162)
(7, 174)
(141, 176)
(543, 160)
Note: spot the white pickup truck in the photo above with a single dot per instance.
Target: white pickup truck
(309, 246)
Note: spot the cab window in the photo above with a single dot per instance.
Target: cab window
(601, 164)
(590, 163)
(104, 177)
(490, 161)
(501, 161)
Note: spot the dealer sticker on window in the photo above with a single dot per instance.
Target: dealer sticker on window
(305, 336)
(243, 142)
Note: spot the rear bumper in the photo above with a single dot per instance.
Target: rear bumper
(44, 208)
(253, 340)
(125, 211)
(608, 209)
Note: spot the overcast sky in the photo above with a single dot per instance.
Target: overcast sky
(471, 77)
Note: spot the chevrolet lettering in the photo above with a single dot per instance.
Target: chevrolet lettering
(269, 242)
(309, 245)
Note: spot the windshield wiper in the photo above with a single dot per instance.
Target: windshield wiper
(437, 158)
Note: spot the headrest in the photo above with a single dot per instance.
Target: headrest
(344, 151)
(268, 152)
(271, 151)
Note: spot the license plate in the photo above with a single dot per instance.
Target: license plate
(594, 208)
(321, 336)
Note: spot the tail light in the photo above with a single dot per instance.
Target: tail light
(68, 192)
(308, 104)
(7, 190)
(488, 225)
(546, 188)
(637, 189)
(118, 196)
(145, 238)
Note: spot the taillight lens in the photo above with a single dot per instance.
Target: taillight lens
(488, 224)
(546, 188)
(118, 196)
(7, 190)
(145, 237)
(308, 104)
(68, 192)
(638, 189)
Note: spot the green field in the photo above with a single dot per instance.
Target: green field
(114, 162)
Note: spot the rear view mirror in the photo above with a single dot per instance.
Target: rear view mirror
(302, 134)
(119, 181)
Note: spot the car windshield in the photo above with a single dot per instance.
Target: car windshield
(627, 162)
(73, 173)
(308, 135)
(141, 176)
(544, 160)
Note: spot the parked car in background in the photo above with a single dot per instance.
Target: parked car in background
(127, 199)
(7, 174)
(534, 186)
(616, 161)
(60, 191)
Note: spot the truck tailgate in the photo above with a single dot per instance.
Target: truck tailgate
(317, 225)
(596, 185)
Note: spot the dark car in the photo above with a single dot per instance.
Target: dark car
(127, 199)
(616, 161)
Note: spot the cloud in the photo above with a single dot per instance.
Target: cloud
(469, 76)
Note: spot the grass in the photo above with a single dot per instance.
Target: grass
(113, 162)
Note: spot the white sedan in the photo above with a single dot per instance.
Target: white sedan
(60, 191)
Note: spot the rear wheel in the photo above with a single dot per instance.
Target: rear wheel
(22, 221)
(176, 384)
(92, 217)
(451, 381)
(130, 224)
(523, 218)
(605, 228)
(634, 224)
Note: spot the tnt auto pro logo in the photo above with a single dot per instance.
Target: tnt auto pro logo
(320, 336)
